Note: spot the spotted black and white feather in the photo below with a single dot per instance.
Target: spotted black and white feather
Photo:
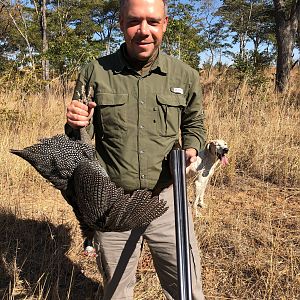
(97, 202)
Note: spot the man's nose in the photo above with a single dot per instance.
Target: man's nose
(144, 28)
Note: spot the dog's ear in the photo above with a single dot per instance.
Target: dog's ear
(211, 146)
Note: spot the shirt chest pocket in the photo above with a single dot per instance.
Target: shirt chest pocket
(169, 113)
(111, 113)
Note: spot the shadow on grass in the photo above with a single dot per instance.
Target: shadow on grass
(33, 261)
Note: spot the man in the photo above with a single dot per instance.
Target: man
(143, 99)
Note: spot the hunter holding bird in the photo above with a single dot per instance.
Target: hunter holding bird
(144, 100)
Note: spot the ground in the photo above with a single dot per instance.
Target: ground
(248, 235)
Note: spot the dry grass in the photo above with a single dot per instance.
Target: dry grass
(249, 235)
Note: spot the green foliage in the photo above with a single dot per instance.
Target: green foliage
(12, 43)
(251, 67)
(250, 23)
(248, 20)
(215, 36)
(182, 38)
(77, 31)
(80, 30)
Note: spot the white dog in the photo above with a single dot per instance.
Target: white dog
(203, 168)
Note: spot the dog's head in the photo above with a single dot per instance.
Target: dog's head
(219, 148)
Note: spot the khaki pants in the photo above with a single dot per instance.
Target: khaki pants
(119, 252)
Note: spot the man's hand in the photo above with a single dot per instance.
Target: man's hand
(79, 114)
(190, 156)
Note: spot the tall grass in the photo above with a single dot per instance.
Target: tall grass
(249, 235)
(261, 126)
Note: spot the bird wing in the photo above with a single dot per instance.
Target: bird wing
(106, 207)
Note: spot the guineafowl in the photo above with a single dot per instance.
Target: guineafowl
(98, 204)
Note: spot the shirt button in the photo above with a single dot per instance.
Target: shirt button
(142, 102)
(141, 126)
(141, 151)
(143, 176)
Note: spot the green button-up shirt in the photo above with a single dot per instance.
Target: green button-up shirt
(138, 118)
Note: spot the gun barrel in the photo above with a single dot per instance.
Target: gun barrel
(182, 224)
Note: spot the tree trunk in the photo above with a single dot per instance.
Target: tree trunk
(45, 61)
(286, 28)
(242, 39)
(284, 56)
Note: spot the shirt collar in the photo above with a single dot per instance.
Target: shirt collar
(159, 64)
(121, 64)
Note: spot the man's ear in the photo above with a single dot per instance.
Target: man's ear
(165, 24)
(121, 22)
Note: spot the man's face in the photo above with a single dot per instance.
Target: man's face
(143, 23)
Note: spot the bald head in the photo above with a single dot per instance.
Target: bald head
(123, 3)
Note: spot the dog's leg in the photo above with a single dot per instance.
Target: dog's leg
(200, 186)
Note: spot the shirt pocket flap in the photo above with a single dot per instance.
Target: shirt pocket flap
(171, 100)
(111, 99)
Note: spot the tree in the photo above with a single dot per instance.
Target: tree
(250, 23)
(247, 20)
(182, 38)
(18, 37)
(287, 19)
(236, 14)
(5, 31)
(43, 28)
(56, 35)
(97, 20)
(214, 33)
